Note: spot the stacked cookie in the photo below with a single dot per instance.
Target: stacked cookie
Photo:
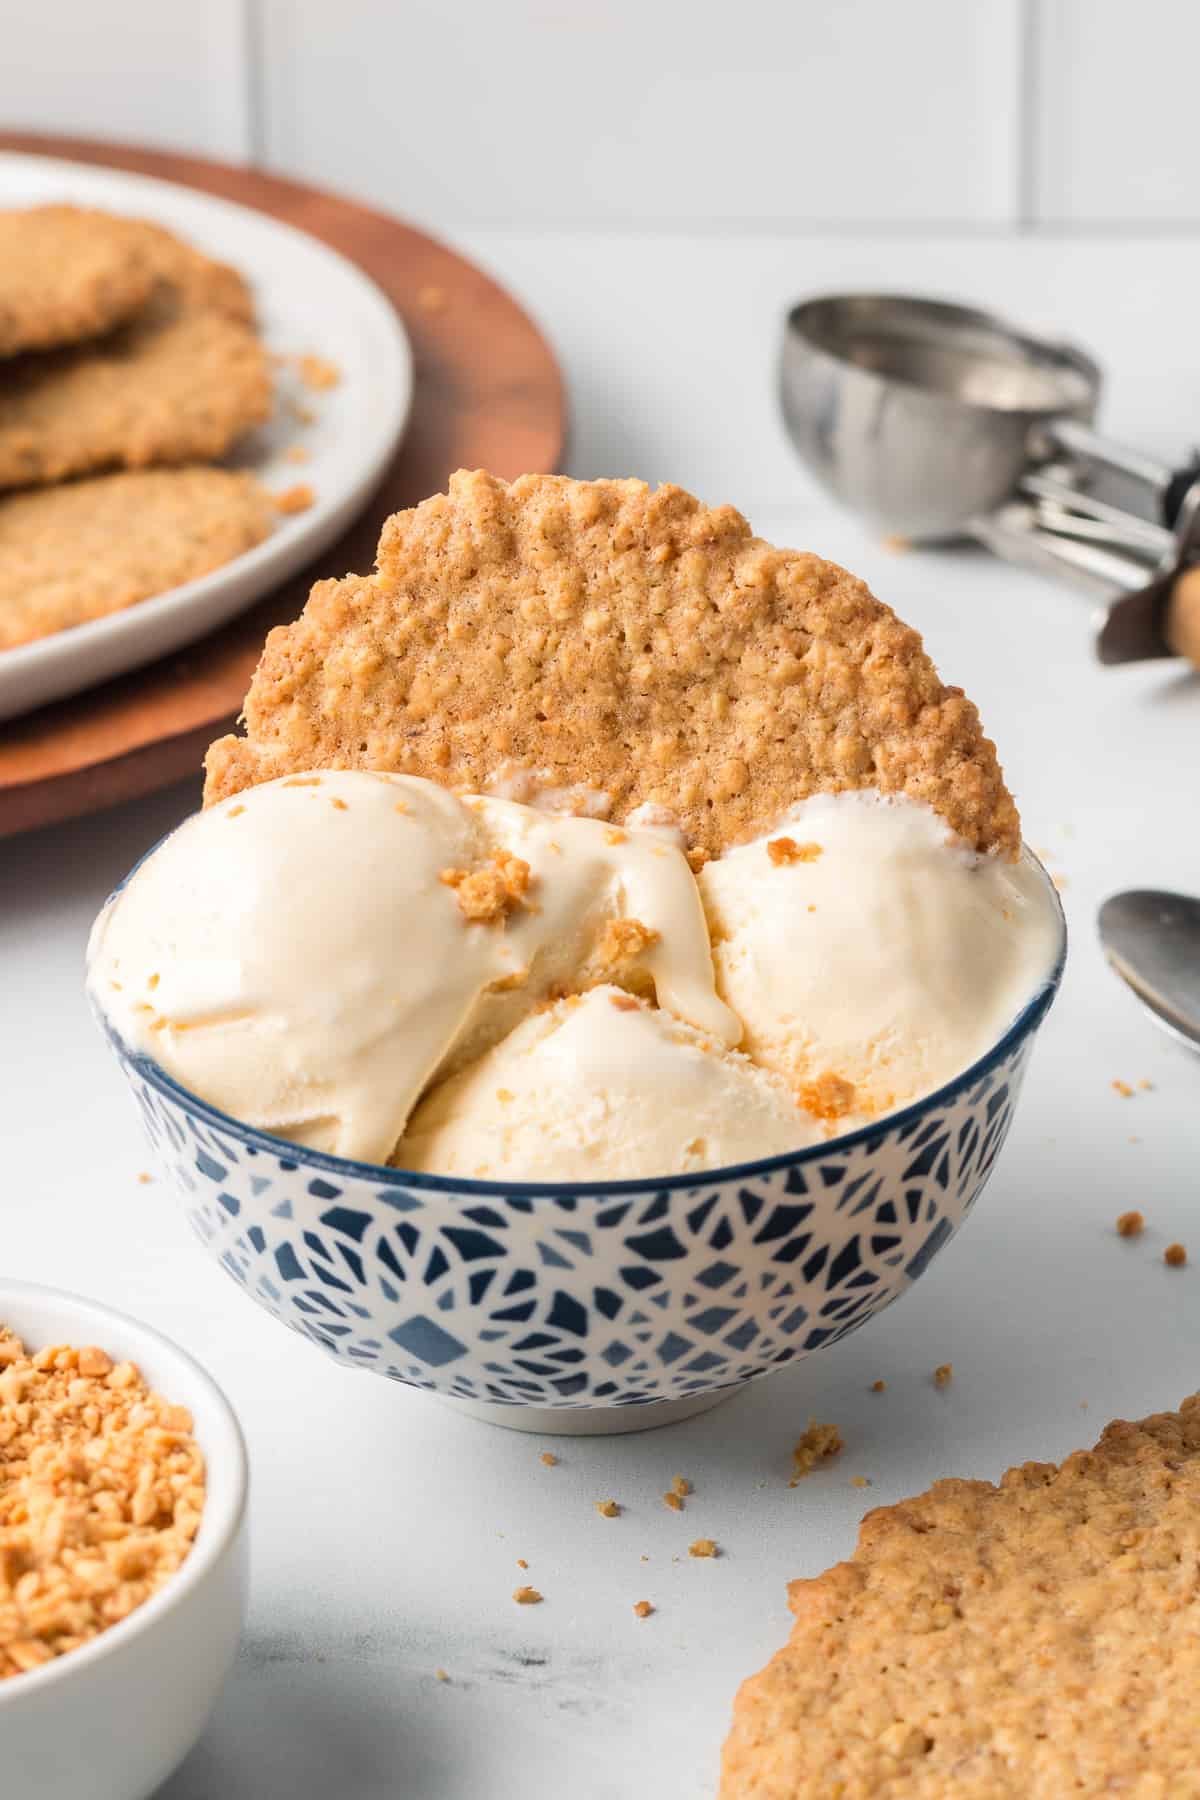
(129, 363)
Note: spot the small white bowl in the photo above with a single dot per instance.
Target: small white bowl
(111, 1720)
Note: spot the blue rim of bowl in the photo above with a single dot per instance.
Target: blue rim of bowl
(380, 1175)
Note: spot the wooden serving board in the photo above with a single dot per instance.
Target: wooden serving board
(488, 395)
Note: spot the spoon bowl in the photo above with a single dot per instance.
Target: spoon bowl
(1152, 939)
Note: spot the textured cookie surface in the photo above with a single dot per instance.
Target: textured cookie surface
(634, 640)
(1036, 1639)
(76, 552)
(66, 273)
(178, 383)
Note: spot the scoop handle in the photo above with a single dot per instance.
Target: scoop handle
(1181, 618)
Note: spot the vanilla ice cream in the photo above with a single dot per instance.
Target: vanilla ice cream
(600, 1087)
(310, 954)
(862, 949)
(373, 966)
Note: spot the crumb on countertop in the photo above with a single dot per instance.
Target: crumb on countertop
(527, 1596)
(1175, 1256)
(1130, 1224)
(521, 1563)
(1123, 1088)
(703, 1547)
(441, 1675)
(943, 1375)
(879, 1387)
(819, 1443)
(643, 1608)
(672, 1499)
(548, 1457)
(145, 1177)
(681, 1486)
(608, 1509)
(859, 1481)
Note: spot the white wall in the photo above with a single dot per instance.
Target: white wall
(611, 114)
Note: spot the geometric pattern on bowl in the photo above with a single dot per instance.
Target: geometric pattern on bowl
(622, 1294)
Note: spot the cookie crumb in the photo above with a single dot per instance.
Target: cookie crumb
(783, 850)
(643, 1609)
(623, 940)
(521, 1563)
(681, 1486)
(859, 1481)
(145, 1177)
(818, 1444)
(549, 1458)
(943, 1375)
(879, 1387)
(1123, 1088)
(1130, 1224)
(703, 1547)
(1147, 1087)
(338, 804)
(486, 896)
(441, 1675)
(672, 1500)
(608, 1509)
(1175, 1256)
(830, 1096)
(296, 499)
(318, 372)
(527, 1596)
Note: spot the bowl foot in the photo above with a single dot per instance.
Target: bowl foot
(589, 1421)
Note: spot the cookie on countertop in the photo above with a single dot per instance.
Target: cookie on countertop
(636, 639)
(66, 273)
(178, 383)
(88, 548)
(1034, 1639)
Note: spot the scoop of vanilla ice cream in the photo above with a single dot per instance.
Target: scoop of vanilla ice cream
(599, 1087)
(858, 945)
(307, 955)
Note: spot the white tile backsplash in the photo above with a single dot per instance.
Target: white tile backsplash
(686, 115)
(553, 113)
(1115, 135)
(143, 71)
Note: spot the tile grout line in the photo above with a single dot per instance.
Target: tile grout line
(253, 86)
(1028, 109)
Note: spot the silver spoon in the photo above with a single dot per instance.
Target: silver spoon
(1152, 940)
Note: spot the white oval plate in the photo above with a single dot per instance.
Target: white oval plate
(310, 301)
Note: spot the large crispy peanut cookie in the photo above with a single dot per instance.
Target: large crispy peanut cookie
(88, 548)
(179, 382)
(635, 640)
(1035, 1639)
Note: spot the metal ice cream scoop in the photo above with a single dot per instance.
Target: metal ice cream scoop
(1152, 940)
(935, 420)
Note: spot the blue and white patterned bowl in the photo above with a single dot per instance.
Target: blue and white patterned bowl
(606, 1307)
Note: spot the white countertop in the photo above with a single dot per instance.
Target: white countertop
(386, 1529)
